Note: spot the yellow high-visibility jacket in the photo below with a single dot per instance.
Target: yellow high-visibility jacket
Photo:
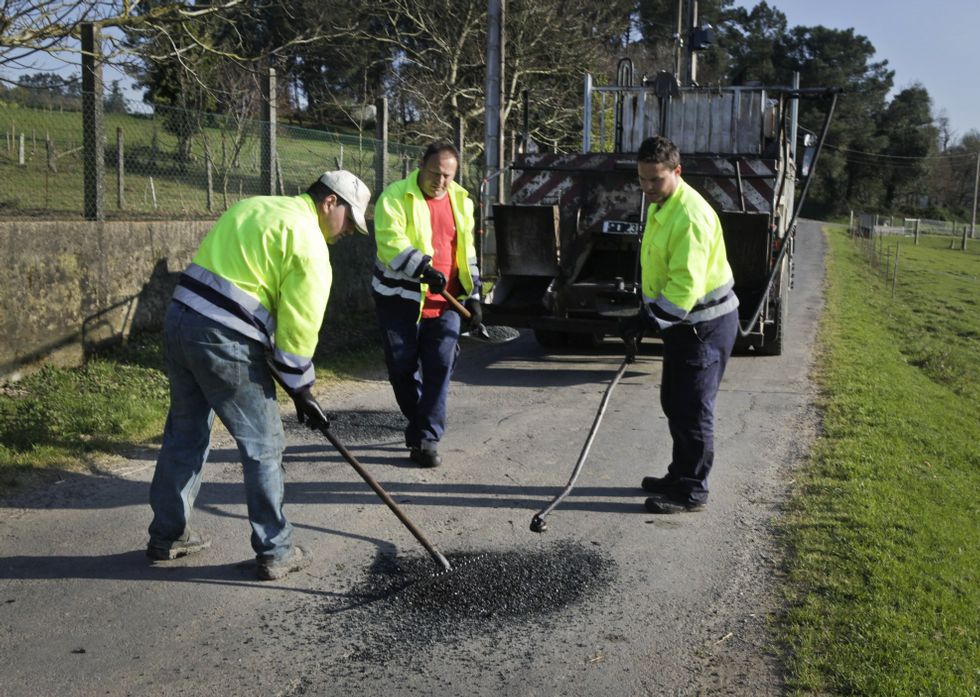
(403, 234)
(263, 270)
(685, 273)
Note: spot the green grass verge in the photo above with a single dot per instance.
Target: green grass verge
(65, 419)
(883, 588)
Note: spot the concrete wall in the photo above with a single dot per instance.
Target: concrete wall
(73, 286)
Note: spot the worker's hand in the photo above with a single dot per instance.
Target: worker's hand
(631, 347)
(435, 279)
(476, 313)
(308, 410)
(634, 327)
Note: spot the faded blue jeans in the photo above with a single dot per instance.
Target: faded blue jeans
(215, 370)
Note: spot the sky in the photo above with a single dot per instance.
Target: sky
(932, 42)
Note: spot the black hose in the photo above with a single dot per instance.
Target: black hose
(537, 522)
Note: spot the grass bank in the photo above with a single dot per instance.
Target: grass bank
(68, 419)
(883, 588)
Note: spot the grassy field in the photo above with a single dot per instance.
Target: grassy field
(883, 590)
(156, 182)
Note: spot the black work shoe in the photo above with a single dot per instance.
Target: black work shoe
(273, 569)
(665, 505)
(425, 458)
(164, 551)
(659, 485)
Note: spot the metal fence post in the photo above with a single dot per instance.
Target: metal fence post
(92, 124)
(120, 171)
(267, 185)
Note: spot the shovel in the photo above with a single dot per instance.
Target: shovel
(500, 335)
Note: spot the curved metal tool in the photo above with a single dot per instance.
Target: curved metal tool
(538, 523)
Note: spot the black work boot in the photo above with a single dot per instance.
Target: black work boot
(425, 458)
(659, 485)
(665, 505)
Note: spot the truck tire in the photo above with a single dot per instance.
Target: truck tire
(773, 334)
(550, 338)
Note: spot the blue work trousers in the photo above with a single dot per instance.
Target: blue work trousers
(213, 369)
(421, 356)
(695, 357)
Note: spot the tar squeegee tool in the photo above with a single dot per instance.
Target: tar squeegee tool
(481, 333)
(538, 523)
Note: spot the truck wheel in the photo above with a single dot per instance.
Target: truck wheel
(550, 338)
(772, 335)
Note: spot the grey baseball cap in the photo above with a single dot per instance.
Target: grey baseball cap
(353, 191)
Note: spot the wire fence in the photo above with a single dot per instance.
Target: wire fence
(169, 161)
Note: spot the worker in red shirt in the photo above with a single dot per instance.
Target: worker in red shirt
(424, 236)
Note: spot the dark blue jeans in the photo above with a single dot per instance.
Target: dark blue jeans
(421, 356)
(694, 363)
(213, 369)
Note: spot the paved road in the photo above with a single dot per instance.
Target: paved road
(632, 604)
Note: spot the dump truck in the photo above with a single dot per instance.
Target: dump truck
(563, 249)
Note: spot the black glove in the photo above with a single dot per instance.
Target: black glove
(632, 328)
(435, 279)
(476, 313)
(308, 410)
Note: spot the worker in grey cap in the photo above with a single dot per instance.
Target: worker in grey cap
(247, 313)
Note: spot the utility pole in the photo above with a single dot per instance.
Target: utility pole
(493, 135)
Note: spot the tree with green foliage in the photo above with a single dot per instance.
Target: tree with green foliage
(907, 125)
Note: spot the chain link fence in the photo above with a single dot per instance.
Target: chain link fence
(168, 162)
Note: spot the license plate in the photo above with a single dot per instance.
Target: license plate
(620, 227)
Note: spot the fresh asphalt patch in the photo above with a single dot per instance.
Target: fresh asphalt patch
(404, 608)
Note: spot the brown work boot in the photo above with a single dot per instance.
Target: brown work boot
(164, 551)
(273, 569)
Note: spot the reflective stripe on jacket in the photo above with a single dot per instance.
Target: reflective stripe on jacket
(403, 235)
(686, 276)
(263, 270)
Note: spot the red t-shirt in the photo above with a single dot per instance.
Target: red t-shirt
(443, 255)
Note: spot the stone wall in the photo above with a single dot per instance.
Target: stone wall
(73, 286)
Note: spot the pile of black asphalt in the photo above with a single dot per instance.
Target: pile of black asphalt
(405, 607)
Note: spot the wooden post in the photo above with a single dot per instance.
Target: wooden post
(895, 273)
(52, 161)
(210, 176)
(20, 151)
(120, 171)
(916, 232)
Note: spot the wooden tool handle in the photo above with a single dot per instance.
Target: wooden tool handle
(466, 314)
